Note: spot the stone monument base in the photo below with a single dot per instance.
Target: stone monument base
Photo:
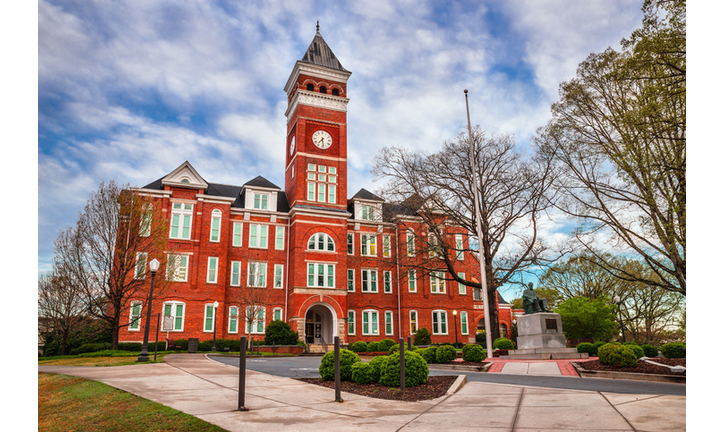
(540, 336)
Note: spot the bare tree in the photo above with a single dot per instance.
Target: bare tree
(106, 254)
(254, 296)
(62, 305)
(436, 190)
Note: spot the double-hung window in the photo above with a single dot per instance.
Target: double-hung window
(257, 274)
(462, 289)
(175, 310)
(181, 217)
(258, 324)
(261, 201)
(278, 275)
(320, 275)
(413, 321)
(141, 258)
(368, 212)
(388, 323)
(369, 281)
(350, 243)
(439, 322)
(258, 235)
(177, 268)
(211, 270)
(370, 322)
(437, 282)
(321, 183)
(209, 317)
(134, 321)
(279, 238)
(464, 323)
(387, 275)
(386, 247)
(412, 280)
(235, 273)
(236, 235)
(410, 243)
(459, 246)
(234, 319)
(368, 244)
(215, 226)
(350, 280)
(277, 314)
(350, 322)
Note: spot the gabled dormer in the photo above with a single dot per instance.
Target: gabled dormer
(260, 194)
(185, 176)
(366, 206)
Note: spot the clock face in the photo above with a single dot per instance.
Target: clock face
(322, 139)
(291, 147)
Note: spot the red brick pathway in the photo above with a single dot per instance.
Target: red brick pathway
(564, 366)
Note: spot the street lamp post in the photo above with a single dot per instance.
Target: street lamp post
(455, 318)
(213, 345)
(618, 302)
(143, 357)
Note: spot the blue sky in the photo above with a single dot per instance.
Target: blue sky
(127, 91)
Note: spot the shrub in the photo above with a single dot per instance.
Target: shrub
(89, 347)
(279, 332)
(615, 354)
(385, 344)
(422, 337)
(358, 347)
(396, 348)
(373, 347)
(473, 353)
(429, 354)
(362, 373)
(376, 364)
(585, 347)
(416, 370)
(637, 350)
(346, 359)
(596, 346)
(674, 350)
(130, 346)
(503, 343)
(650, 350)
(480, 338)
(446, 354)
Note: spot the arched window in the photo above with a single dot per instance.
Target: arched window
(310, 87)
(323, 89)
(503, 330)
(335, 92)
(321, 242)
(215, 225)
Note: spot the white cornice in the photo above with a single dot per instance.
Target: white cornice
(316, 71)
(295, 211)
(216, 199)
(152, 192)
(315, 99)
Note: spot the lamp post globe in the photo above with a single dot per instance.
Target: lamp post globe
(455, 318)
(143, 356)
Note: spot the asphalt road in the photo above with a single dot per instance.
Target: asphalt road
(308, 367)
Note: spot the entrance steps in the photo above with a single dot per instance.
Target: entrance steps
(319, 348)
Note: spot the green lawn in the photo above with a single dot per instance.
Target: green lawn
(68, 403)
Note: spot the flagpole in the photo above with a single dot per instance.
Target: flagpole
(479, 227)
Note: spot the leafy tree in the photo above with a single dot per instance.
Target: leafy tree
(438, 190)
(102, 255)
(618, 139)
(588, 319)
(582, 276)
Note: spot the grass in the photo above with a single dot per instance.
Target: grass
(76, 404)
(100, 358)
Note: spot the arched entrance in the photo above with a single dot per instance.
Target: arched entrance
(320, 324)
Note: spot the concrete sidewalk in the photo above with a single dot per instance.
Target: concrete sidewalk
(208, 390)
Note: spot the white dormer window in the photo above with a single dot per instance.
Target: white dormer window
(261, 201)
(368, 212)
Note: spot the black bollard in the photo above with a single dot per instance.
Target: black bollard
(409, 343)
(158, 325)
(337, 378)
(402, 364)
(242, 374)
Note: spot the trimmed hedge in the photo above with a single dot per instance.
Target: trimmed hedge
(638, 351)
(615, 354)
(416, 370)
(346, 359)
(362, 373)
(385, 344)
(446, 354)
(376, 364)
(374, 347)
(503, 344)
(429, 354)
(674, 350)
(358, 347)
(473, 353)
(650, 350)
(585, 347)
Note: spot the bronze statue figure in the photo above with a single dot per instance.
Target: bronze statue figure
(531, 303)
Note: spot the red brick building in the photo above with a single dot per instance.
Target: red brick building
(328, 265)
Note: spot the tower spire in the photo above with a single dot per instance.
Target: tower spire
(317, 26)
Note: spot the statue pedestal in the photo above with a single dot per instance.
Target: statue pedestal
(540, 336)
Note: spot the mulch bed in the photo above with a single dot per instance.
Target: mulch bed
(435, 387)
(643, 367)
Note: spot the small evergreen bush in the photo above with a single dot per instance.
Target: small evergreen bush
(396, 348)
(596, 346)
(376, 364)
(373, 347)
(416, 370)
(358, 347)
(279, 332)
(429, 354)
(503, 344)
(422, 337)
(362, 373)
(635, 348)
(586, 347)
(615, 354)
(385, 344)
(650, 350)
(346, 359)
(674, 350)
(473, 353)
(446, 354)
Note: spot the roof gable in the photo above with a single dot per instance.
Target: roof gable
(185, 176)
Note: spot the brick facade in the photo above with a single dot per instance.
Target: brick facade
(314, 296)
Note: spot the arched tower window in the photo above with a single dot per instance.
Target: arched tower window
(323, 89)
(310, 87)
(321, 242)
(335, 92)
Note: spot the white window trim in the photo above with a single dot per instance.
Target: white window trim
(279, 238)
(255, 323)
(410, 241)
(144, 229)
(462, 288)
(353, 323)
(241, 234)
(281, 276)
(281, 313)
(258, 237)
(353, 280)
(174, 305)
(433, 277)
(386, 246)
(177, 268)
(206, 317)
(467, 323)
(326, 274)
(138, 275)
(371, 241)
(326, 241)
(215, 278)
(236, 264)
(140, 316)
(232, 318)
(181, 212)
(261, 196)
(215, 216)
(350, 236)
(459, 246)
(368, 313)
(253, 277)
(389, 324)
(413, 279)
(440, 314)
(369, 289)
(387, 281)
(416, 321)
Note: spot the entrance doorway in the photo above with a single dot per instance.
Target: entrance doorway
(319, 325)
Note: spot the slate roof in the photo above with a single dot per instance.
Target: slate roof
(320, 54)
(366, 195)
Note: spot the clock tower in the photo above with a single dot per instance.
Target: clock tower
(316, 141)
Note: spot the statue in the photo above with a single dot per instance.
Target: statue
(531, 303)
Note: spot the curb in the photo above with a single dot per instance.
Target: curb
(466, 368)
(460, 381)
(629, 376)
